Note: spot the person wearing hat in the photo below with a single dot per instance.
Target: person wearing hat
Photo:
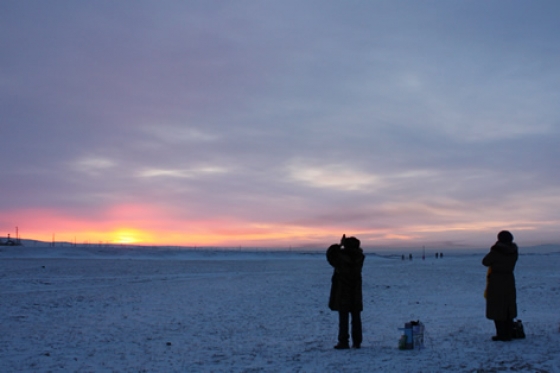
(501, 298)
(347, 259)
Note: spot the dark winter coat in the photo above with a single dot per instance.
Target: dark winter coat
(501, 297)
(346, 286)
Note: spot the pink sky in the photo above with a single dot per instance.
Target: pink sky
(282, 123)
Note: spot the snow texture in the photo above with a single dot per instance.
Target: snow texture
(154, 310)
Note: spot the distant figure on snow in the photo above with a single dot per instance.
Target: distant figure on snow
(347, 258)
(501, 297)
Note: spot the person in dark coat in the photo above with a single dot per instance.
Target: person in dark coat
(501, 297)
(346, 289)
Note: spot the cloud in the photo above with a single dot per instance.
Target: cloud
(179, 134)
(93, 165)
(332, 176)
(185, 173)
(399, 120)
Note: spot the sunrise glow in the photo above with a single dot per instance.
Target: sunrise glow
(278, 124)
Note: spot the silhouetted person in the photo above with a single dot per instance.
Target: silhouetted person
(501, 297)
(410, 256)
(346, 289)
(437, 255)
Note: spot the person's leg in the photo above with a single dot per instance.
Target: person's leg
(343, 336)
(498, 329)
(503, 330)
(356, 329)
(508, 329)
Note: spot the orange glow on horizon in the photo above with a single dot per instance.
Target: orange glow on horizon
(145, 225)
(129, 236)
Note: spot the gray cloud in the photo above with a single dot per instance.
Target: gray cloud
(309, 114)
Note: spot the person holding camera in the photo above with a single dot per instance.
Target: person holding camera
(347, 259)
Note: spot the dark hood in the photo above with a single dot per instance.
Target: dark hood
(505, 248)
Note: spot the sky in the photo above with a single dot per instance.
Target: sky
(280, 123)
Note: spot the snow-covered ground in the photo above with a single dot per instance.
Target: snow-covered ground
(149, 310)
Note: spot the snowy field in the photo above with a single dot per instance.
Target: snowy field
(119, 310)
